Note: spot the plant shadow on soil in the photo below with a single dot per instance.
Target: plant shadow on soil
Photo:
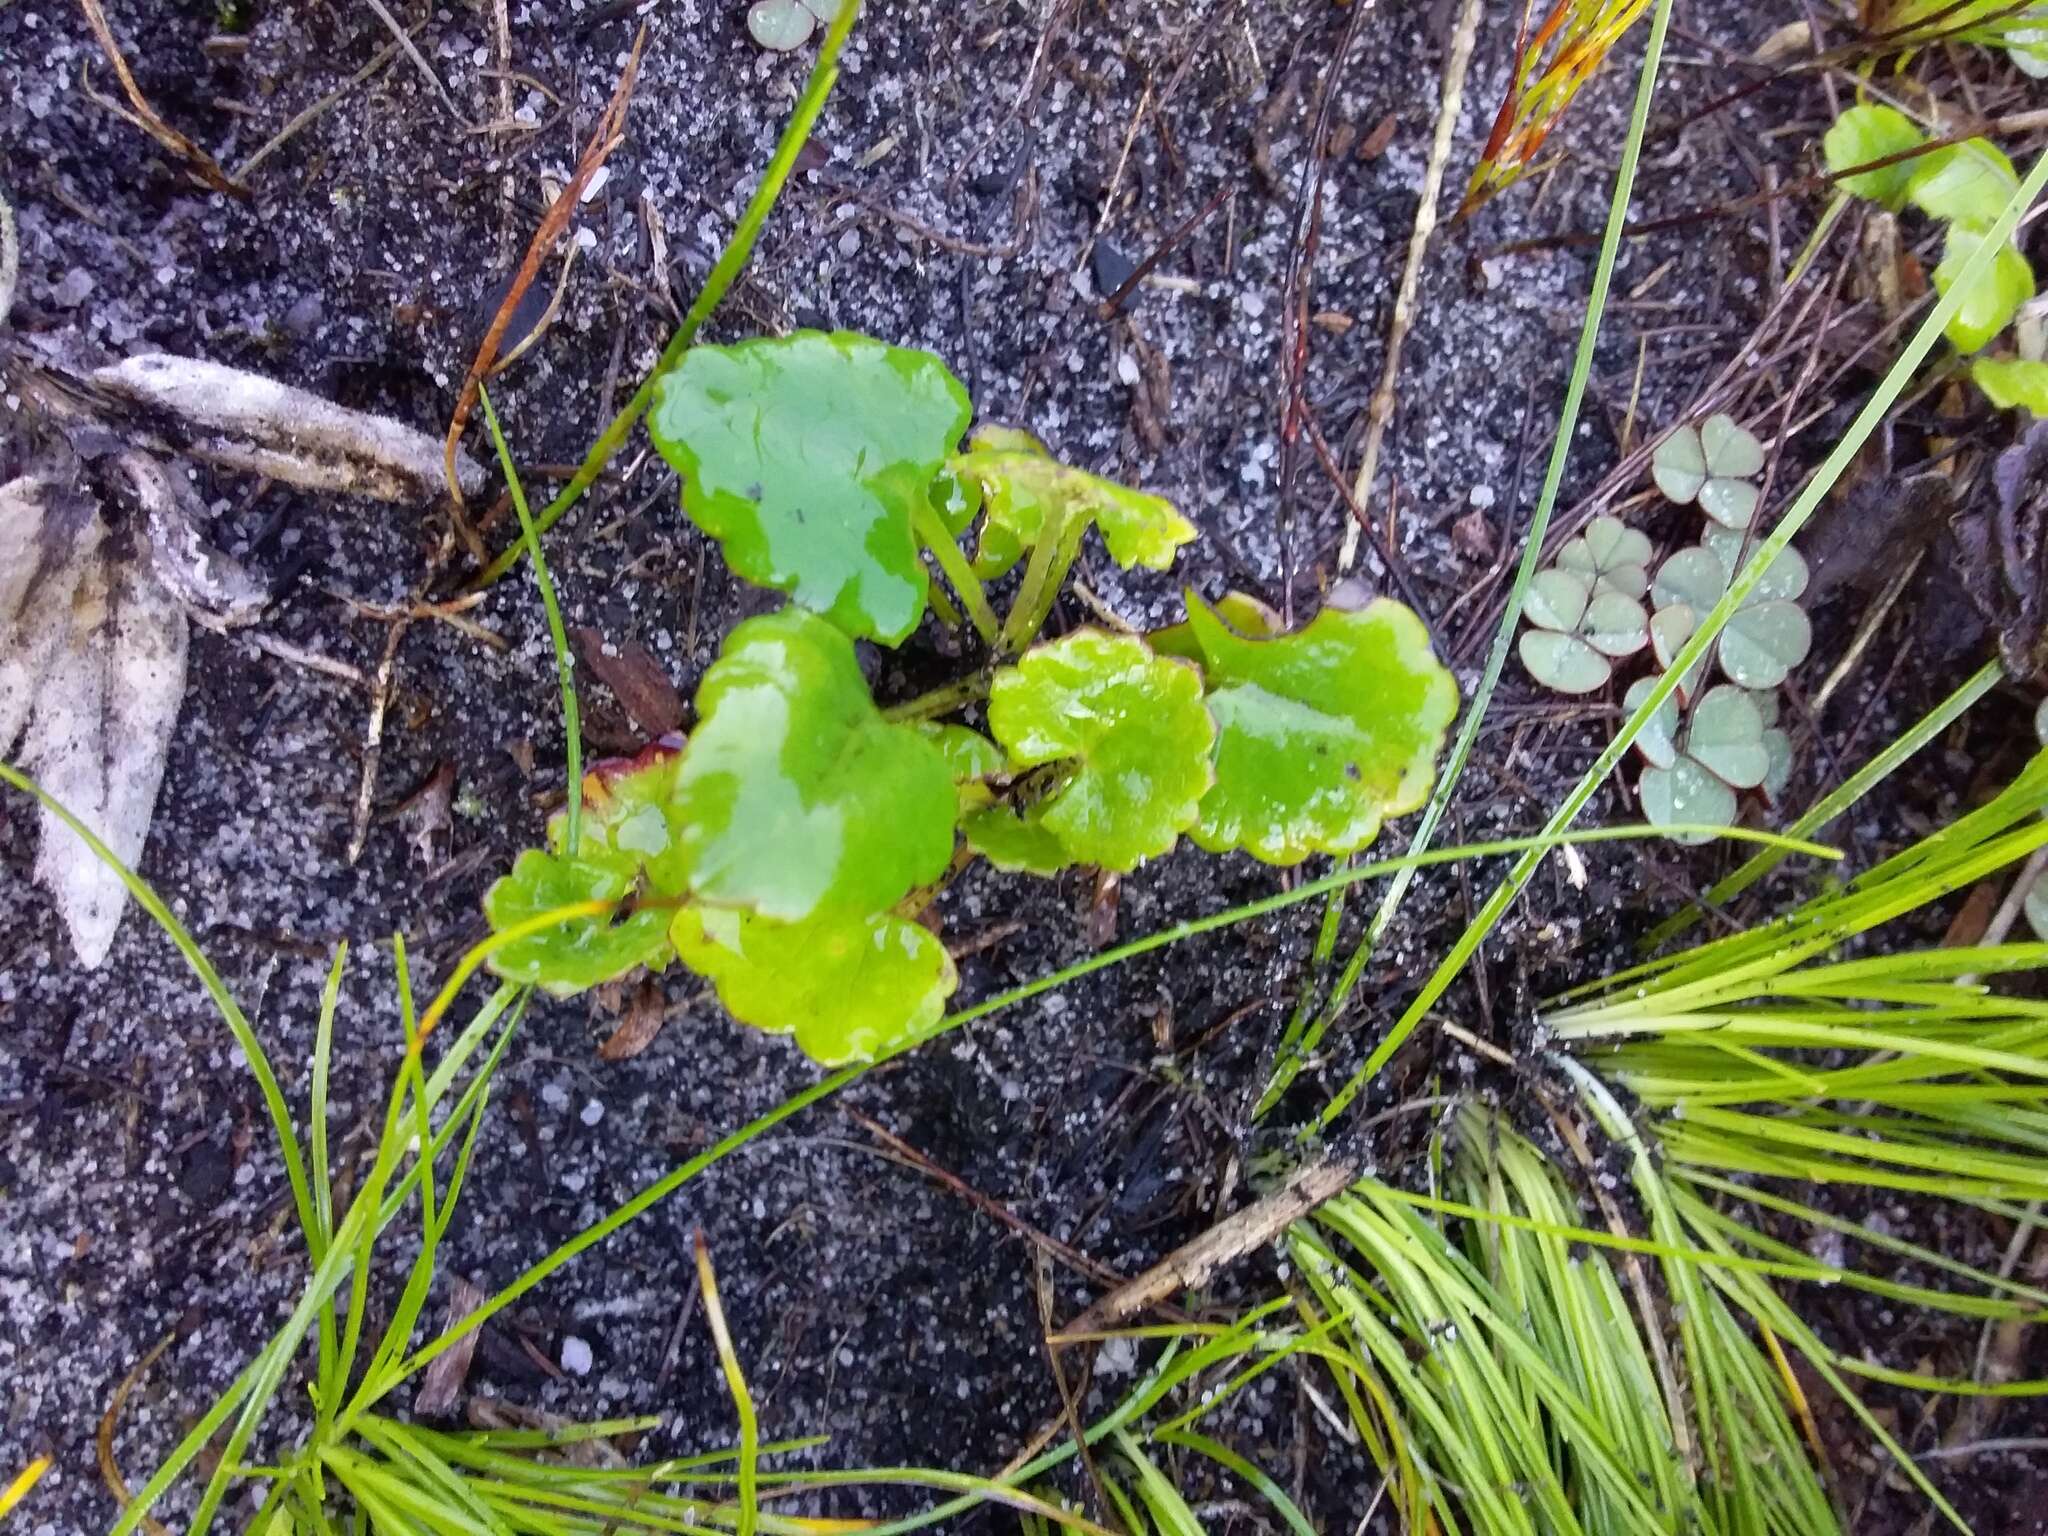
(143, 1194)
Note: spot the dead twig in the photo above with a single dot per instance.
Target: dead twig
(203, 165)
(1381, 409)
(300, 121)
(605, 138)
(1229, 1240)
(373, 740)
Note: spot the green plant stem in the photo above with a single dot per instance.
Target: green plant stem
(1852, 789)
(1288, 1064)
(932, 532)
(558, 634)
(942, 701)
(797, 133)
(1867, 421)
(1059, 544)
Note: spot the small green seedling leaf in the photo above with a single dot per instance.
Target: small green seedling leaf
(808, 458)
(1967, 183)
(1023, 487)
(1686, 792)
(1615, 624)
(1131, 734)
(1321, 734)
(1558, 600)
(848, 988)
(796, 798)
(1017, 842)
(587, 951)
(1611, 555)
(1694, 577)
(2012, 383)
(1247, 617)
(1711, 464)
(1992, 299)
(1872, 132)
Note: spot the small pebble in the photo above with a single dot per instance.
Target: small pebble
(576, 1357)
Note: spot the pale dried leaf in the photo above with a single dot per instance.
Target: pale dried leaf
(256, 424)
(104, 712)
(210, 584)
(47, 538)
(441, 1382)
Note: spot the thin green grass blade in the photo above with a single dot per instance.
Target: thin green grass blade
(731, 262)
(1883, 398)
(1295, 1051)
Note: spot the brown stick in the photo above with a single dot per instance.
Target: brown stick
(1229, 1240)
(203, 165)
(606, 137)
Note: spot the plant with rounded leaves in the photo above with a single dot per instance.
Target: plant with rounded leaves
(1714, 464)
(1578, 631)
(787, 850)
(1769, 634)
(1698, 761)
(1965, 186)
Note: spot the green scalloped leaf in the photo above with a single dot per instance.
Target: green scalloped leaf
(848, 988)
(629, 807)
(1873, 132)
(970, 757)
(2012, 383)
(1966, 183)
(807, 458)
(586, 952)
(1016, 842)
(796, 797)
(1021, 484)
(1129, 728)
(1322, 734)
(1992, 299)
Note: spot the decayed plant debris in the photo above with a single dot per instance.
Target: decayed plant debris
(105, 564)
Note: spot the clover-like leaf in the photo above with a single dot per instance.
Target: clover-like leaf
(1322, 734)
(809, 457)
(1783, 580)
(586, 951)
(1725, 736)
(1686, 792)
(1764, 642)
(1580, 623)
(1778, 752)
(1024, 489)
(1129, 731)
(1658, 739)
(1711, 464)
(1874, 132)
(1966, 183)
(780, 25)
(848, 987)
(796, 797)
(2012, 383)
(1693, 576)
(1612, 555)
(1992, 298)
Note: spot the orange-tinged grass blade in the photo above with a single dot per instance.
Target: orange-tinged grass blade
(1553, 62)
